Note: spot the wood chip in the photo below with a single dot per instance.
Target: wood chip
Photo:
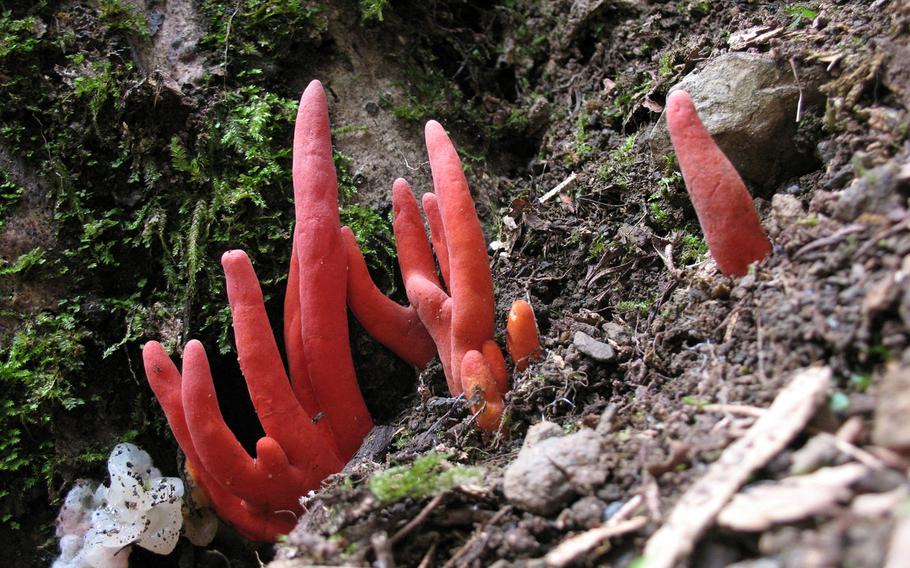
(564, 184)
(573, 548)
(698, 507)
(793, 498)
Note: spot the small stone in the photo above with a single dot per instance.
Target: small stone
(597, 350)
(873, 192)
(586, 513)
(819, 451)
(548, 473)
(540, 432)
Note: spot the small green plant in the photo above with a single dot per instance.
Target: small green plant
(860, 381)
(402, 439)
(371, 10)
(98, 85)
(628, 94)
(599, 245)
(582, 149)
(10, 196)
(665, 65)
(700, 7)
(657, 210)
(695, 401)
(34, 257)
(428, 475)
(800, 14)
(809, 221)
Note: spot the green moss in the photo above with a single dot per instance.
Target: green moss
(37, 381)
(428, 475)
(261, 28)
(123, 18)
(694, 249)
(18, 36)
(641, 306)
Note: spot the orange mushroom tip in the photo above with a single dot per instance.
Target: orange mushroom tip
(722, 203)
(522, 337)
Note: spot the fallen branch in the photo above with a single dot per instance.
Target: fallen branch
(699, 506)
(735, 409)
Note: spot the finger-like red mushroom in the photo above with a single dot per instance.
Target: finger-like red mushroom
(522, 339)
(724, 207)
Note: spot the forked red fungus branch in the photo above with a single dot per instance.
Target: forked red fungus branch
(724, 207)
(459, 313)
(315, 419)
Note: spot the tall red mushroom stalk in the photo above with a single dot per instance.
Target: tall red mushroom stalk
(724, 207)
(323, 344)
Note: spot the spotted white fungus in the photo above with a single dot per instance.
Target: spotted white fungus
(97, 526)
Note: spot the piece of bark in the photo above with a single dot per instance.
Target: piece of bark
(790, 499)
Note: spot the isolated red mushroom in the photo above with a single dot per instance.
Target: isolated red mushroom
(522, 338)
(724, 207)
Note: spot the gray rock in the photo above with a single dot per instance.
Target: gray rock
(748, 103)
(873, 191)
(891, 428)
(540, 432)
(549, 472)
(597, 350)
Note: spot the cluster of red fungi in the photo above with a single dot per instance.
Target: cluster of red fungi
(313, 414)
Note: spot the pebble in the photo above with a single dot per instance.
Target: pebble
(597, 350)
(547, 473)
